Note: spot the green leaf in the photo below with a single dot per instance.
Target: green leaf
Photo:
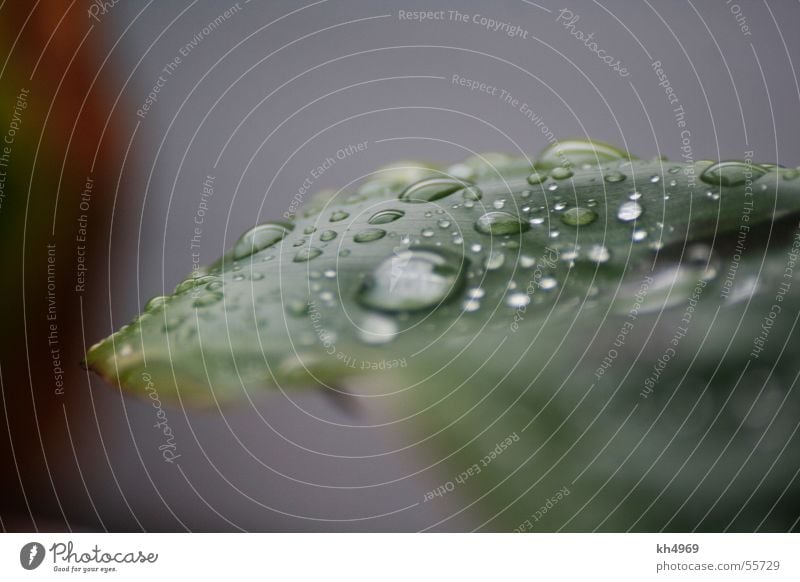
(498, 291)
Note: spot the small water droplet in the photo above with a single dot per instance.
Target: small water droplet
(377, 329)
(472, 193)
(655, 179)
(639, 235)
(310, 230)
(207, 298)
(494, 260)
(634, 196)
(560, 173)
(552, 187)
(307, 254)
(548, 283)
(536, 178)
(629, 211)
(500, 223)
(499, 204)
(599, 254)
(476, 293)
(327, 235)
(296, 308)
(579, 216)
(517, 300)
(386, 216)
(614, 177)
(156, 303)
(369, 235)
(339, 215)
(427, 232)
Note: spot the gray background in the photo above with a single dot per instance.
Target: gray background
(274, 467)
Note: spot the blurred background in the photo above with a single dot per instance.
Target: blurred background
(114, 116)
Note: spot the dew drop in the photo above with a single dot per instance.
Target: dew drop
(377, 329)
(731, 173)
(599, 254)
(614, 177)
(386, 216)
(307, 254)
(431, 189)
(472, 193)
(517, 300)
(629, 211)
(579, 216)
(369, 235)
(339, 215)
(536, 178)
(259, 238)
(494, 260)
(327, 235)
(413, 280)
(500, 223)
(560, 173)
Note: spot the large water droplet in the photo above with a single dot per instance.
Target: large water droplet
(731, 173)
(414, 279)
(629, 211)
(259, 238)
(579, 216)
(500, 223)
(386, 216)
(577, 152)
(369, 235)
(431, 189)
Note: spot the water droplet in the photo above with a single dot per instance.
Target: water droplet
(427, 232)
(296, 308)
(577, 152)
(731, 173)
(614, 177)
(560, 173)
(412, 280)
(257, 276)
(655, 179)
(639, 235)
(369, 235)
(499, 204)
(327, 235)
(536, 178)
(634, 196)
(536, 221)
(476, 293)
(548, 283)
(559, 206)
(552, 187)
(377, 329)
(517, 300)
(526, 262)
(579, 216)
(259, 238)
(307, 254)
(207, 298)
(339, 215)
(386, 216)
(499, 223)
(629, 211)
(156, 303)
(310, 230)
(599, 254)
(472, 193)
(471, 305)
(238, 277)
(192, 282)
(494, 260)
(431, 189)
